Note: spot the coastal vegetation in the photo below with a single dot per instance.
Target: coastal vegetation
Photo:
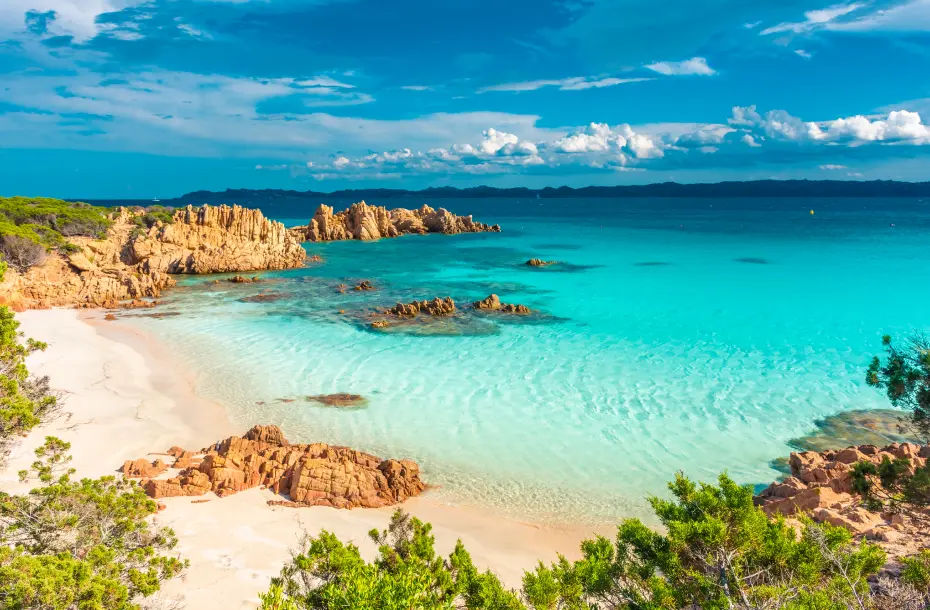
(80, 545)
(719, 552)
(25, 400)
(905, 376)
(30, 227)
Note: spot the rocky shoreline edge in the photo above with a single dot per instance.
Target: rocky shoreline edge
(135, 261)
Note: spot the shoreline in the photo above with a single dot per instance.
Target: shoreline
(125, 396)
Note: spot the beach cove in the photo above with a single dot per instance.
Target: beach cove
(124, 396)
(700, 333)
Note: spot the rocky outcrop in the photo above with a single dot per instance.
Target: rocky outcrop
(366, 222)
(134, 263)
(820, 485)
(364, 285)
(538, 262)
(436, 307)
(309, 475)
(493, 303)
(217, 240)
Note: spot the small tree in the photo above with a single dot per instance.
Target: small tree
(85, 545)
(21, 252)
(895, 486)
(905, 376)
(25, 400)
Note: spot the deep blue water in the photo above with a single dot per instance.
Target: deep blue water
(677, 334)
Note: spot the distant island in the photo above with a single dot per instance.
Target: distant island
(274, 201)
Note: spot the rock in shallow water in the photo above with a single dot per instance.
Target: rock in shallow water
(340, 399)
(538, 262)
(435, 307)
(493, 303)
(863, 427)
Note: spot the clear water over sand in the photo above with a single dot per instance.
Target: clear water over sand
(681, 334)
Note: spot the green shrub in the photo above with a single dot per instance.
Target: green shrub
(65, 218)
(32, 226)
(719, 552)
(25, 400)
(407, 575)
(86, 545)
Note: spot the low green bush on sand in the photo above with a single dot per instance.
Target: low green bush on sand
(718, 552)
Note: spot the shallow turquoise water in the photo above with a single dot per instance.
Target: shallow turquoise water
(760, 320)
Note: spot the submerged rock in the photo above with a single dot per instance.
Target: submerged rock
(341, 399)
(364, 285)
(264, 297)
(367, 222)
(308, 474)
(238, 279)
(870, 427)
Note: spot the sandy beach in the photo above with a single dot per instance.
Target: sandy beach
(125, 397)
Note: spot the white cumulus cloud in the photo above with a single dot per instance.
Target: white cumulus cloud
(899, 126)
(694, 66)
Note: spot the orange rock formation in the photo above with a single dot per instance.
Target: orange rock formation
(363, 221)
(132, 263)
(309, 475)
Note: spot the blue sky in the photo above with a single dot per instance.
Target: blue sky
(137, 98)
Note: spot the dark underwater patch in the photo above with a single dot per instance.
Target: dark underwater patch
(556, 247)
(561, 267)
(864, 427)
(749, 260)
(652, 264)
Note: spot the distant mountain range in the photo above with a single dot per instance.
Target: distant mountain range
(278, 201)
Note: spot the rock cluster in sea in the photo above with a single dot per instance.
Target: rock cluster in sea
(366, 222)
(314, 474)
(821, 486)
(132, 263)
(435, 307)
(493, 303)
(538, 262)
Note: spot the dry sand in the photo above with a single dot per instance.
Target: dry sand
(124, 396)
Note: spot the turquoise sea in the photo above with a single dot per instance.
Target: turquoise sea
(691, 334)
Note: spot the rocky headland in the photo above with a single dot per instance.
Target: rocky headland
(367, 222)
(135, 262)
(314, 474)
(820, 486)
